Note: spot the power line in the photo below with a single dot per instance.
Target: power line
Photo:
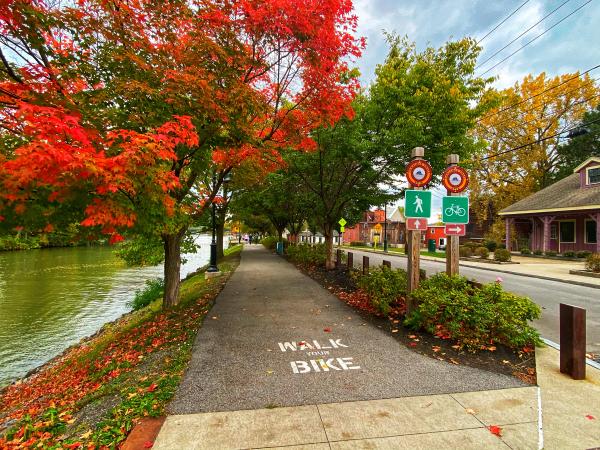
(535, 38)
(500, 24)
(514, 105)
(541, 118)
(524, 32)
(520, 147)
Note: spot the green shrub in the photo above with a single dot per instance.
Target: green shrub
(357, 244)
(482, 252)
(491, 245)
(583, 254)
(569, 254)
(538, 252)
(270, 242)
(143, 297)
(525, 251)
(465, 252)
(452, 307)
(502, 255)
(307, 255)
(472, 245)
(593, 262)
(550, 253)
(384, 286)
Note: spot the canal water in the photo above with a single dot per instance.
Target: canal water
(51, 298)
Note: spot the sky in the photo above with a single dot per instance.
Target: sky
(572, 45)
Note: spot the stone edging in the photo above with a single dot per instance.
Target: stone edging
(585, 273)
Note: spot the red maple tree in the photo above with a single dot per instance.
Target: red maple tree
(116, 110)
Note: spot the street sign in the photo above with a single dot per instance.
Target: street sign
(417, 204)
(416, 224)
(342, 222)
(455, 229)
(418, 172)
(455, 179)
(342, 229)
(377, 227)
(455, 210)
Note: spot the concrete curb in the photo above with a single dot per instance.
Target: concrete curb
(490, 269)
(555, 346)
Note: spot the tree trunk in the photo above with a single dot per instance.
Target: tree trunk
(329, 262)
(172, 268)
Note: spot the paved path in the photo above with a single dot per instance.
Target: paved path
(247, 354)
(547, 294)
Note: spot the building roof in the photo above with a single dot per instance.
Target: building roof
(562, 196)
(593, 159)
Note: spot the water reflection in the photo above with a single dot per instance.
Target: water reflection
(51, 298)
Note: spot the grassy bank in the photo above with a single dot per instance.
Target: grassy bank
(92, 395)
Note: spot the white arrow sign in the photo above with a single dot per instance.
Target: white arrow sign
(418, 224)
(455, 230)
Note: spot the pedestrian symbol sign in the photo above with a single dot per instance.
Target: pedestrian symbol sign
(342, 229)
(455, 209)
(342, 222)
(417, 204)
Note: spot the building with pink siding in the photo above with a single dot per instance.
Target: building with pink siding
(562, 217)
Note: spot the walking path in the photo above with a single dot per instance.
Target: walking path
(280, 362)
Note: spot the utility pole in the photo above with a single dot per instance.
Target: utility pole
(385, 240)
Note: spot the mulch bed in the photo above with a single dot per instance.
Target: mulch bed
(498, 359)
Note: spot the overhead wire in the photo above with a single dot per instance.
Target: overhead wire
(536, 38)
(501, 23)
(523, 33)
(514, 105)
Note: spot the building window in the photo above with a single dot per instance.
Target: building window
(567, 232)
(590, 232)
(553, 231)
(593, 175)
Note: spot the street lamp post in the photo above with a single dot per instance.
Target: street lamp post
(212, 267)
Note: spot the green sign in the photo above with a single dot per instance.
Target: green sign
(417, 204)
(455, 209)
(342, 222)
(342, 229)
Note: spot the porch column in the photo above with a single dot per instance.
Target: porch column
(596, 217)
(533, 239)
(546, 242)
(508, 223)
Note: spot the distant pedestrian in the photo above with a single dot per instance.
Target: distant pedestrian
(250, 239)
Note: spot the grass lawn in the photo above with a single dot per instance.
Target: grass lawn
(439, 254)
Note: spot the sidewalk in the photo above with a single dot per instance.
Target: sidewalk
(545, 269)
(281, 362)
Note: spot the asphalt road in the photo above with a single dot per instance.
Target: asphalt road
(275, 337)
(547, 294)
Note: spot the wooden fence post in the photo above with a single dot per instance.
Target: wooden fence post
(365, 265)
(572, 341)
(350, 261)
(387, 264)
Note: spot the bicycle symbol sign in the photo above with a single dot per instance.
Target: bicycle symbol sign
(455, 209)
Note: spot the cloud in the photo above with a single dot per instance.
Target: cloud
(566, 48)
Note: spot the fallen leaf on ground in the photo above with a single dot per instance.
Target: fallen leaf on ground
(436, 348)
(495, 429)
(453, 361)
(470, 411)
(505, 361)
(412, 344)
(214, 317)
(492, 348)
(456, 347)
(152, 387)
(269, 372)
(395, 330)
(86, 435)
(327, 330)
(411, 336)
(590, 417)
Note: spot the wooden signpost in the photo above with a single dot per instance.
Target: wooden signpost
(417, 205)
(455, 210)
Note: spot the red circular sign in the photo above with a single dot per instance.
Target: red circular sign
(455, 179)
(418, 172)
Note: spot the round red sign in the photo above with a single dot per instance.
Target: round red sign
(418, 172)
(455, 179)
